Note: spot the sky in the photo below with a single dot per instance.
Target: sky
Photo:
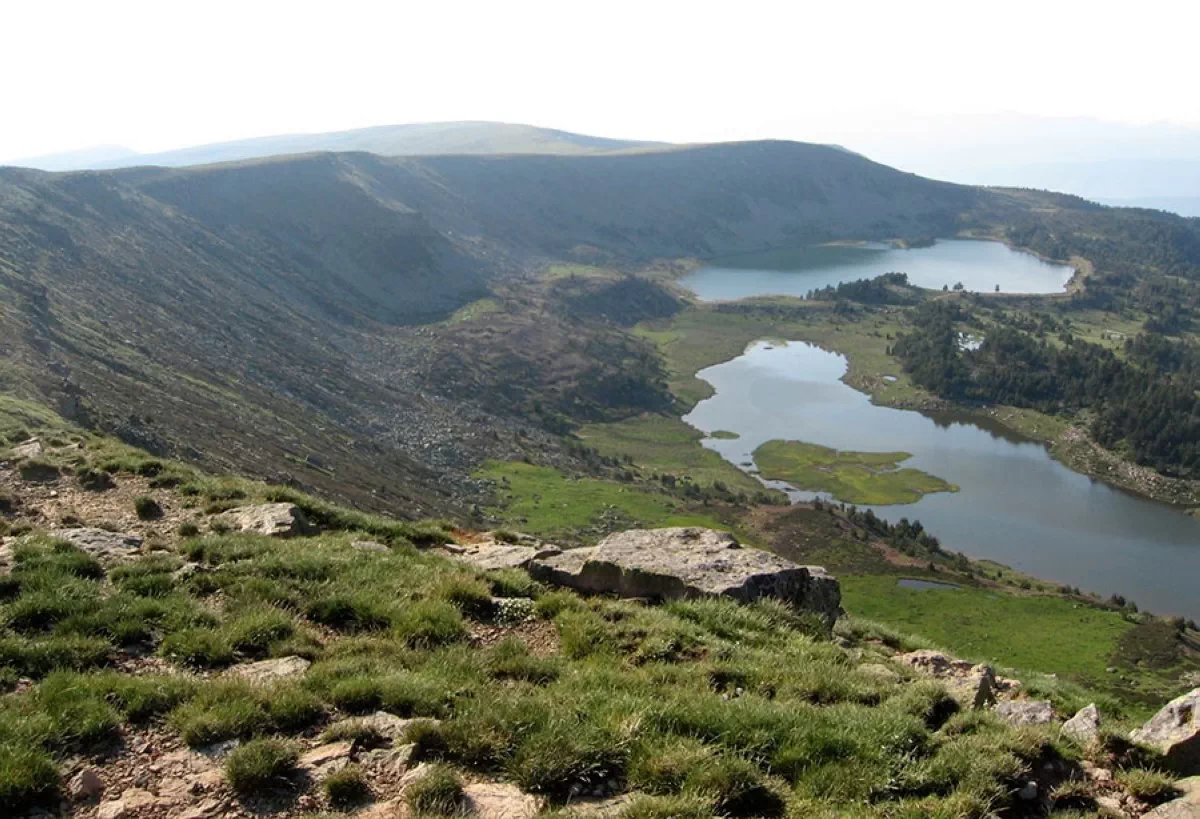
(159, 75)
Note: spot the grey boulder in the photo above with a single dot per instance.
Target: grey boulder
(271, 519)
(1026, 712)
(1175, 732)
(687, 562)
(1084, 727)
(100, 543)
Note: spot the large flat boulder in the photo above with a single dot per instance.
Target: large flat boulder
(272, 519)
(663, 564)
(1175, 732)
(101, 543)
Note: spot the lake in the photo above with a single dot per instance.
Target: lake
(1017, 505)
(979, 265)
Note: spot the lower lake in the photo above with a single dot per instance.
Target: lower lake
(1016, 504)
(978, 265)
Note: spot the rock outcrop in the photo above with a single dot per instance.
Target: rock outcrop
(1185, 807)
(268, 671)
(1175, 732)
(101, 544)
(1084, 727)
(272, 519)
(30, 449)
(974, 686)
(1026, 712)
(689, 562)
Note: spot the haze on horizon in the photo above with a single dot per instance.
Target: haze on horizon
(959, 92)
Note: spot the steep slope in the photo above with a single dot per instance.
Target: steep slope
(415, 139)
(281, 316)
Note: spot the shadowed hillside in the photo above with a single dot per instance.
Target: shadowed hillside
(283, 316)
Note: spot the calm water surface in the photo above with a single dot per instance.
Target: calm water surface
(1016, 505)
(980, 266)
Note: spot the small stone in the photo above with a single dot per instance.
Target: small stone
(266, 671)
(1084, 727)
(327, 758)
(369, 546)
(1109, 803)
(500, 801)
(86, 784)
(1028, 791)
(1026, 712)
(271, 519)
(1101, 774)
(30, 449)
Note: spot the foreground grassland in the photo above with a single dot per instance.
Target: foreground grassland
(545, 502)
(702, 708)
(870, 478)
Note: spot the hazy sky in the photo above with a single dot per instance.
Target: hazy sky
(159, 75)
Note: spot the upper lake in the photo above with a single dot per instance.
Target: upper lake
(979, 265)
(1017, 505)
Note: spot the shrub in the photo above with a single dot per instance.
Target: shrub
(198, 647)
(348, 612)
(147, 508)
(470, 596)
(438, 793)
(347, 787)
(514, 583)
(683, 806)
(94, 480)
(353, 730)
(511, 660)
(259, 765)
(1147, 785)
(253, 632)
(220, 711)
(430, 623)
(292, 708)
(188, 529)
(735, 787)
(28, 777)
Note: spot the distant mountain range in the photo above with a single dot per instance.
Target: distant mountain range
(421, 139)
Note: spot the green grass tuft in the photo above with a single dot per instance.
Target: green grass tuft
(259, 765)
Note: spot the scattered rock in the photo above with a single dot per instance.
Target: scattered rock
(266, 671)
(327, 758)
(204, 810)
(496, 800)
(387, 725)
(1028, 792)
(272, 519)
(1175, 732)
(415, 775)
(100, 543)
(369, 546)
(1026, 712)
(131, 801)
(974, 686)
(689, 562)
(86, 784)
(30, 449)
(1084, 727)
(393, 761)
(491, 555)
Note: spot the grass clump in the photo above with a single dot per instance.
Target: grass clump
(429, 623)
(147, 508)
(188, 529)
(1148, 785)
(28, 777)
(262, 764)
(347, 787)
(438, 793)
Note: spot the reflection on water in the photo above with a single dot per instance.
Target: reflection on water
(978, 266)
(1017, 505)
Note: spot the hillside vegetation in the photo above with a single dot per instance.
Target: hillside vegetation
(691, 708)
